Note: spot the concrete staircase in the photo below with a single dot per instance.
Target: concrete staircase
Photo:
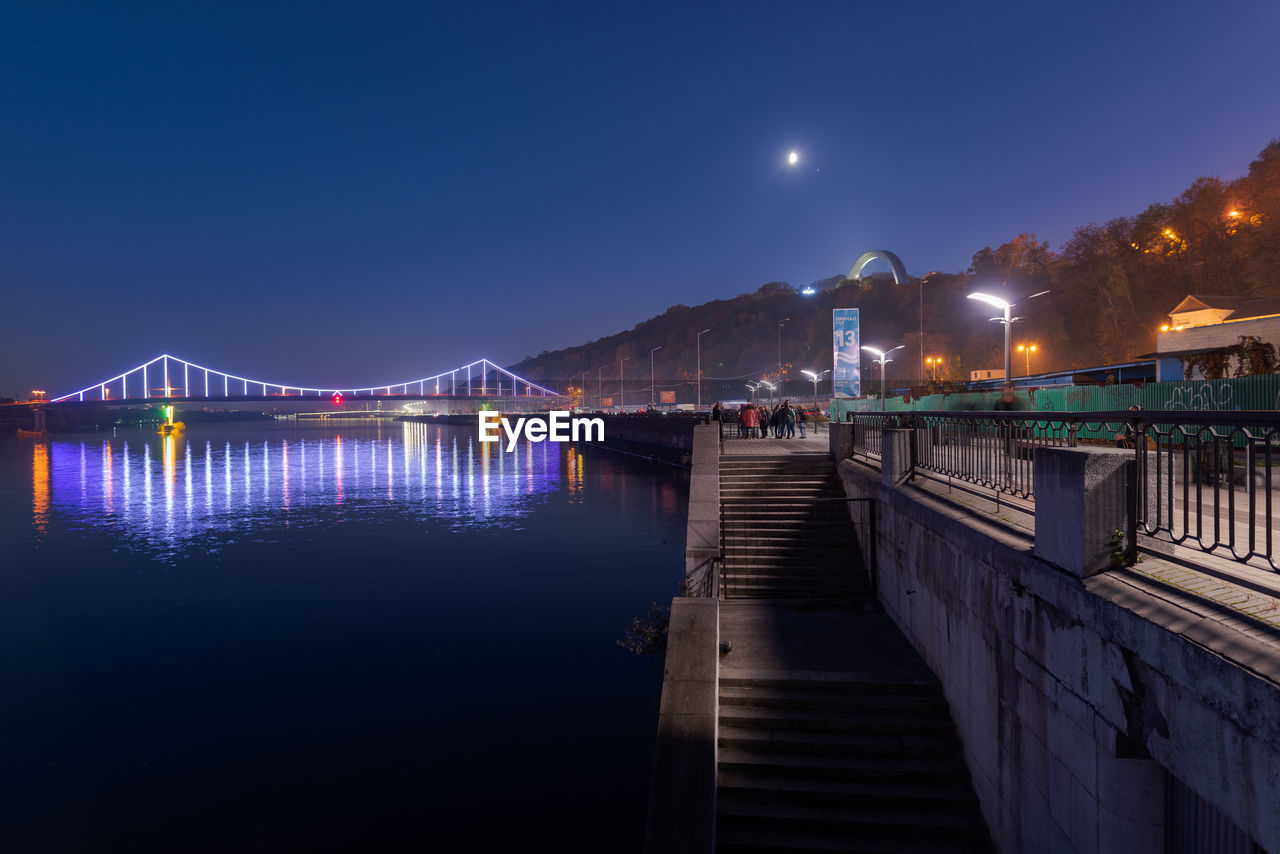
(841, 765)
(786, 532)
(832, 735)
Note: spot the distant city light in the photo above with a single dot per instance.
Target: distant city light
(808, 292)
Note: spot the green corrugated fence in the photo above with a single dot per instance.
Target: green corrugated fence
(1260, 392)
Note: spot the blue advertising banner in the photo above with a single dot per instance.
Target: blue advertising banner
(846, 363)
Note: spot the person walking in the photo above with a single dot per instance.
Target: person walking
(763, 412)
(790, 419)
(802, 417)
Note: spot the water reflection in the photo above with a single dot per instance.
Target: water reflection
(429, 470)
(40, 487)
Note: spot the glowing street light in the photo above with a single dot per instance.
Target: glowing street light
(1028, 349)
(935, 365)
(652, 383)
(815, 377)
(700, 334)
(623, 382)
(882, 360)
(780, 322)
(1008, 320)
(772, 387)
(754, 387)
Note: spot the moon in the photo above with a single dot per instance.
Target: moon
(793, 158)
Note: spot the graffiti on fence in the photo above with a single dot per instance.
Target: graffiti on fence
(1201, 397)
(1078, 397)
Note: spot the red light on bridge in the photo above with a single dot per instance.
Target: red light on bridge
(337, 398)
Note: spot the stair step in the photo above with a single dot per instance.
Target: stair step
(837, 683)
(910, 731)
(832, 757)
(900, 823)
(781, 570)
(760, 786)
(765, 841)
(784, 696)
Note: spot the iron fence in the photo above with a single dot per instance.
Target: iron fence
(1200, 479)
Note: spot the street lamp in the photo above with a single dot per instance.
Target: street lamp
(753, 388)
(700, 334)
(622, 382)
(1028, 349)
(780, 322)
(771, 386)
(882, 360)
(600, 386)
(935, 365)
(1008, 322)
(652, 383)
(815, 378)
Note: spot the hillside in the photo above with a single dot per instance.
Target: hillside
(1111, 287)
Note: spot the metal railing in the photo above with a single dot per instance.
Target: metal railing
(1200, 479)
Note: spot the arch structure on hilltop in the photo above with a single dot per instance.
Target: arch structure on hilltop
(894, 262)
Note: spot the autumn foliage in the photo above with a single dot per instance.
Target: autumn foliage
(1112, 286)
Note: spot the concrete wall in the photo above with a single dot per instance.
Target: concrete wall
(702, 532)
(1072, 702)
(682, 792)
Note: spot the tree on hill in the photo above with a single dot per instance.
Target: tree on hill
(1111, 286)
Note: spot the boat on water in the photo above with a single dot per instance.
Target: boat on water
(172, 429)
(32, 434)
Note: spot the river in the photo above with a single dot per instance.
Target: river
(348, 637)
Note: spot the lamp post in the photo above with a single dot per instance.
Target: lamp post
(1028, 349)
(1008, 320)
(780, 322)
(753, 388)
(700, 334)
(882, 360)
(653, 385)
(815, 378)
(935, 365)
(772, 387)
(600, 386)
(622, 383)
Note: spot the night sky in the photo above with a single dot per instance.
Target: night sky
(354, 193)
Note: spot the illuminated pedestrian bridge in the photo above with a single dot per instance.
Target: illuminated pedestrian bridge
(169, 378)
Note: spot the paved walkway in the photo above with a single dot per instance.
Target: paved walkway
(812, 443)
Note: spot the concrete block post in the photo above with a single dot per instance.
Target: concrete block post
(1081, 501)
(895, 456)
(840, 439)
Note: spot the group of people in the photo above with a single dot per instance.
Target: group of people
(761, 421)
